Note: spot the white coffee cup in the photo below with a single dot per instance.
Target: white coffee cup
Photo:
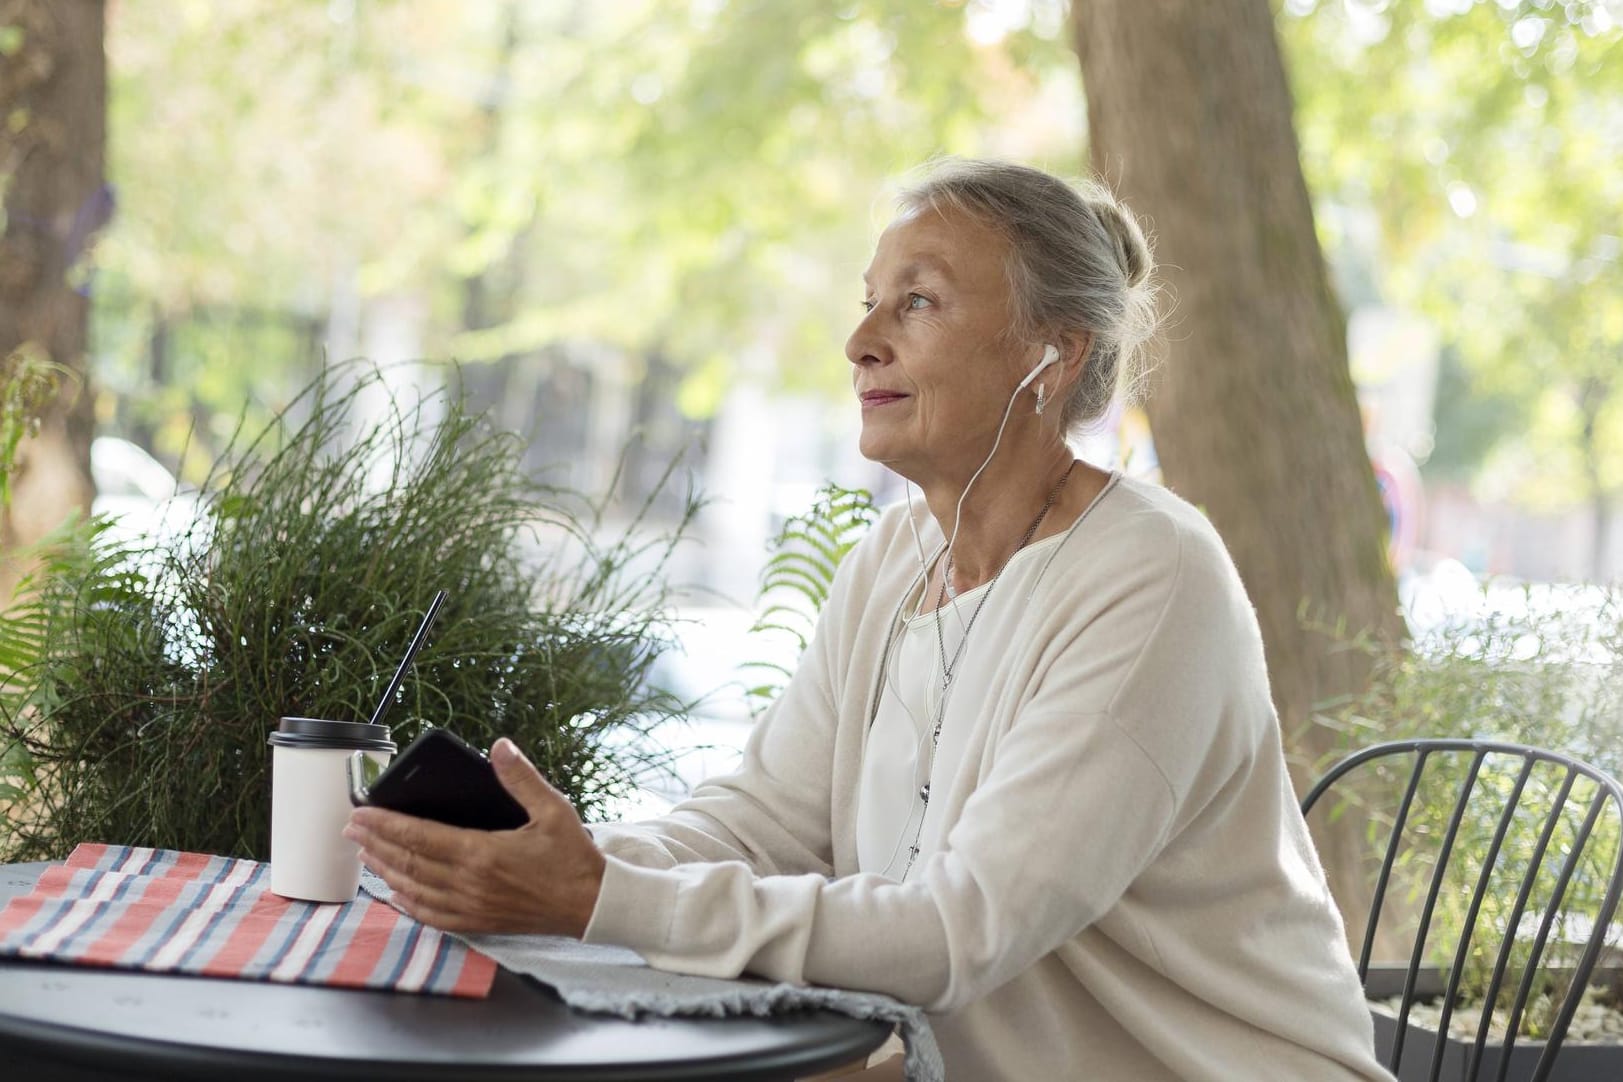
(311, 860)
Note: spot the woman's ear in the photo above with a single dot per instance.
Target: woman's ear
(1074, 350)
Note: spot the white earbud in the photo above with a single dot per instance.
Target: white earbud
(1050, 355)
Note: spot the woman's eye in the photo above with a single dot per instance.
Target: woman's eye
(916, 301)
(867, 305)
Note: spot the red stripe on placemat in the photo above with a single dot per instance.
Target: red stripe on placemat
(478, 974)
(19, 911)
(55, 881)
(87, 854)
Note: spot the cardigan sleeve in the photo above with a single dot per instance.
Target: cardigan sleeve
(1073, 809)
(982, 910)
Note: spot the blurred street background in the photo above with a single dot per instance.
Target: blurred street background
(634, 231)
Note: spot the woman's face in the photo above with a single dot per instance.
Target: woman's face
(929, 362)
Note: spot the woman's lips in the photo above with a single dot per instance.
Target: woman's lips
(880, 398)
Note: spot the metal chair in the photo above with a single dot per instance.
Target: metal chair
(1502, 784)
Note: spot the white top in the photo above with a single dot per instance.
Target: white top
(1121, 883)
(898, 763)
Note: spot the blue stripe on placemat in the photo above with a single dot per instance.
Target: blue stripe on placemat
(441, 959)
(405, 954)
(297, 916)
(321, 967)
(400, 936)
(322, 946)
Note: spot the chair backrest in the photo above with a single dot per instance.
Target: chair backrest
(1531, 840)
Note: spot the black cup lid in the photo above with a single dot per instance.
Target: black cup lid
(318, 733)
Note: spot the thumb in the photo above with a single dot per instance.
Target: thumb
(524, 782)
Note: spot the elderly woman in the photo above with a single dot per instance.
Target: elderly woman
(1028, 774)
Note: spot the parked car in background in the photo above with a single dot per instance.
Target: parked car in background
(137, 493)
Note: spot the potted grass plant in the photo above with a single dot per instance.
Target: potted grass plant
(1541, 667)
(139, 679)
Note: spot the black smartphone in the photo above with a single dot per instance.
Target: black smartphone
(439, 777)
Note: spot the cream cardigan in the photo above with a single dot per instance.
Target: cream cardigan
(1115, 883)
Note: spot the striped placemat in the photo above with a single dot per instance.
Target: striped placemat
(169, 912)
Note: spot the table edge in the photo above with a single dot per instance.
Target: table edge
(57, 1044)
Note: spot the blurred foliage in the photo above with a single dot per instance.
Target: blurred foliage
(1469, 150)
(698, 179)
(1538, 665)
(1471, 420)
(690, 178)
(29, 382)
(143, 678)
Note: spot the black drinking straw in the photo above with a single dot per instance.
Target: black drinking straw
(405, 662)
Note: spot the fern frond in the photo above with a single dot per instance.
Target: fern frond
(806, 555)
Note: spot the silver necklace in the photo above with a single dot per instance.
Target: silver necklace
(946, 577)
(948, 667)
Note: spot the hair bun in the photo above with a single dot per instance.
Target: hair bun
(1132, 250)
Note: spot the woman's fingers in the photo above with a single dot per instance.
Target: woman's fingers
(435, 841)
(398, 862)
(525, 783)
(542, 877)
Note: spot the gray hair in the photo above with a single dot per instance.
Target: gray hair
(1078, 264)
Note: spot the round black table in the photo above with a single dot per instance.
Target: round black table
(60, 1022)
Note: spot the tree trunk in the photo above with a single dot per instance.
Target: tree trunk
(1253, 409)
(53, 91)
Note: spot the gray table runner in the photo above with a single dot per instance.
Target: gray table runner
(612, 980)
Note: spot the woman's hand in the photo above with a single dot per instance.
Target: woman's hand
(543, 877)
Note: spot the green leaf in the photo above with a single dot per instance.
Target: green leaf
(805, 556)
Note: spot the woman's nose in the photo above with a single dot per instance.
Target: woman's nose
(866, 345)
